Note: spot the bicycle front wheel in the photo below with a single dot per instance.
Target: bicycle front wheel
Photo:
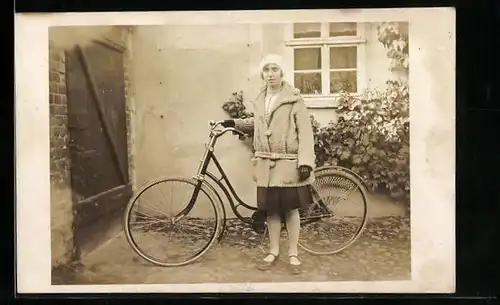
(151, 231)
(338, 214)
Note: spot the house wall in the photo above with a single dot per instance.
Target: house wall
(62, 208)
(182, 76)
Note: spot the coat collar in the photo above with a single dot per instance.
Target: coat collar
(288, 94)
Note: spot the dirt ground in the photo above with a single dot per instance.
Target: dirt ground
(382, 253)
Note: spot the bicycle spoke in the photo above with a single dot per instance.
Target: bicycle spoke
(171, 199)
(144, 224)
(153, 207)
(146, 215)
(165, 198)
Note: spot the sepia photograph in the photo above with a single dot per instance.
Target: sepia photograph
(246, 152)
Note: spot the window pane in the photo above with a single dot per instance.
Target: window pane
(307, 59)
(343, 29)
(306, 30)
(343, 57)
(345, 80)
(308, 83)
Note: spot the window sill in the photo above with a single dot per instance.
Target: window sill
(323, 102)
(325, 41)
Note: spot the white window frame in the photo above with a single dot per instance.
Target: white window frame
(326, 99)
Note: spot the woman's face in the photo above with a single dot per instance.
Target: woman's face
(271, 73)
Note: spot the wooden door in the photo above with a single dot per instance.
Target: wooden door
(98, 141)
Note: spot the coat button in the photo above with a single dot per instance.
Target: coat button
(268, 132)
(272, 164)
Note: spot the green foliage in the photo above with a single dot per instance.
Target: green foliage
(235, 107)
(394, 37)
(370, 137)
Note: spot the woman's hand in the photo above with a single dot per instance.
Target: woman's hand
(304, 172)
(228, 123)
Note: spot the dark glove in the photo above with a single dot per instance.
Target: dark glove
(228, 123)
(304, 172)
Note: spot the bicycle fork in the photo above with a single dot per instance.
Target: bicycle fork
(200, 177)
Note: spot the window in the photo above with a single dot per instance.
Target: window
(325, 58)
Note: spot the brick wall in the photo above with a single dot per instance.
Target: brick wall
(61, 201)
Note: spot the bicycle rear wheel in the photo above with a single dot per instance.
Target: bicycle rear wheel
(151, 232)
(338, 214)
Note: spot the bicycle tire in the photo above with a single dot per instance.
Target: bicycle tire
(147, 257)
(345, 174)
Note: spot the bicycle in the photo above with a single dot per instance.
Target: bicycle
(340, 180)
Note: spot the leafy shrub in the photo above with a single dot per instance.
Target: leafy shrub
(235, 107)
(370, 137)
(395, 40)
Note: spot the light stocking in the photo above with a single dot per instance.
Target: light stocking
(293, 230)
(274, 228)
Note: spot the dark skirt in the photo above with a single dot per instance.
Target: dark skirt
(282, 199)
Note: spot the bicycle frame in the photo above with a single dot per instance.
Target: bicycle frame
(228, 189)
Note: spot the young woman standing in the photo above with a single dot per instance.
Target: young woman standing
(284, 157)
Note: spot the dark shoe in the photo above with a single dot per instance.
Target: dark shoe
(265, 265)
(295, 269)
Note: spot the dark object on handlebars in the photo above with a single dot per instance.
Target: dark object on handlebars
(228, 123)
(231, 124)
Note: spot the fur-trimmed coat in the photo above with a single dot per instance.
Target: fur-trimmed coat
(283, 140)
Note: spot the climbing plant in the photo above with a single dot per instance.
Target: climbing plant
(394, 37)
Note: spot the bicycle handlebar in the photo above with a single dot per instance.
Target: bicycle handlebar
(214, 124)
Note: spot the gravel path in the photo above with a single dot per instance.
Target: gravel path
(381, 253)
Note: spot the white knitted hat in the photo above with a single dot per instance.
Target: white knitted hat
(272, 59)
